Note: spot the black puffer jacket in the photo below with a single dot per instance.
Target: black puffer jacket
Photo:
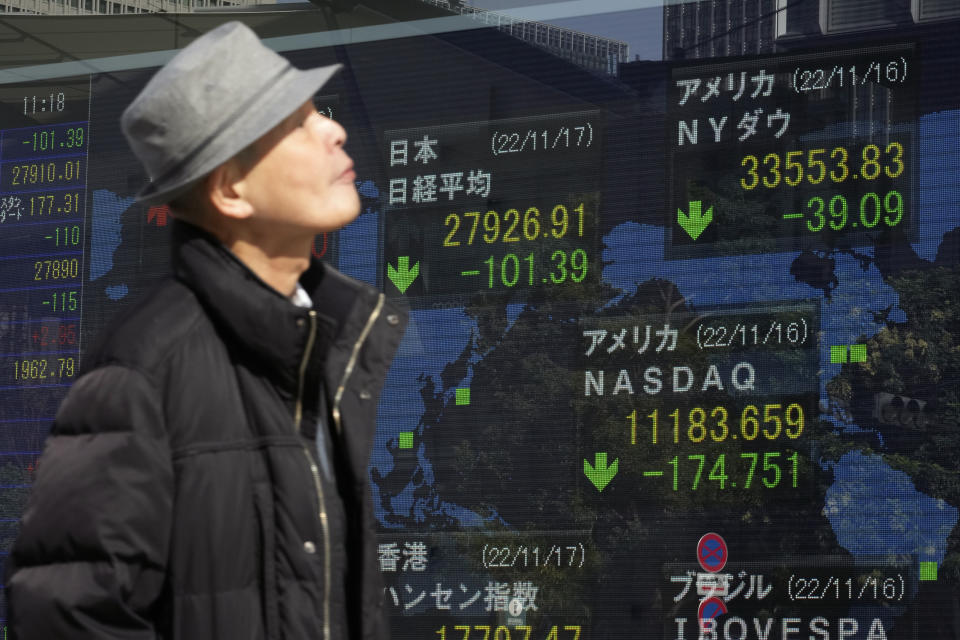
(179, 494)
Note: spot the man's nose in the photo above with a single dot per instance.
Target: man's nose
(334, 132)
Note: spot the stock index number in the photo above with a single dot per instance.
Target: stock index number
(56, 269)
(502, 632)
(511, 270)
(512, 226)
(817, 165)
(38, 369)
(30, 174)
(62, 301)
(54, 140)
(873, 208)
(770, 421)
(744, 471)
(52, 204)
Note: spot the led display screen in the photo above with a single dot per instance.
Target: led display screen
(684, 350)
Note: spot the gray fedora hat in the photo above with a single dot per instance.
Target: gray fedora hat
(218, 95)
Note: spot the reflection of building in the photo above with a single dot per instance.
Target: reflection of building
(719, 28)
(716, 28)
(588, 51)
(107, 7)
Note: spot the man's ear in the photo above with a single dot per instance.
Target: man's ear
(225, 191)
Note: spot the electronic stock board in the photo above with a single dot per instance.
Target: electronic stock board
(683, 351)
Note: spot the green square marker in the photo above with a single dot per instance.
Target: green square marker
(406, 439)
(928, 570)
(838, 354)
(858, 353)
(463, 396)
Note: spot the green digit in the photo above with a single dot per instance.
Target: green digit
(794, 459)
(818, 214)
(561, 267)
(489, 263)
(718, 472)
(753, 467)
(893, 203)
(675, 464)
(579, 266)
(841, 214)
(702, 459)
(512, 259)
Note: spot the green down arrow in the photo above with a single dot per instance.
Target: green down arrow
(599, 473)
(403, 276)
(696, 222)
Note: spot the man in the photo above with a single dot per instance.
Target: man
(207, 476)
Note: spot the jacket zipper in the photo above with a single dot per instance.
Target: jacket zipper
(324, 525)
(298, 416)
(348, 371)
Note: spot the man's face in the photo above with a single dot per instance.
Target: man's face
(303, 181)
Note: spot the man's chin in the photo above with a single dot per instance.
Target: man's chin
(336, 220)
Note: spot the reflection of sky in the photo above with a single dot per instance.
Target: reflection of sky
(876, 510)
(434, 338)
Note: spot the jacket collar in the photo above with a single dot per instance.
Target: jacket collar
(246, 311)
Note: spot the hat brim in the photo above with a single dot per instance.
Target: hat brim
(286, 95)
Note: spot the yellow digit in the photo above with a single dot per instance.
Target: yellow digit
(697, 417)
(841, 164)
(870, 169)
(752, 172)
(794, 419)
(476, 221)
(792, 165)
(491, 226)
(770, 416)
(722, 422)
(575, 628)
(774, 171)
(749, 424)
(560, 218)
(820, 164)
(897, 159)
(453, 219)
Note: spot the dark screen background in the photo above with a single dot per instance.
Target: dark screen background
(585, 389)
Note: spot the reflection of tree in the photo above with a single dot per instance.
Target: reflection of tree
(646, 524)
(918, 359)
(515, 455)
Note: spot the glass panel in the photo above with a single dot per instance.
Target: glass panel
(683, 331)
